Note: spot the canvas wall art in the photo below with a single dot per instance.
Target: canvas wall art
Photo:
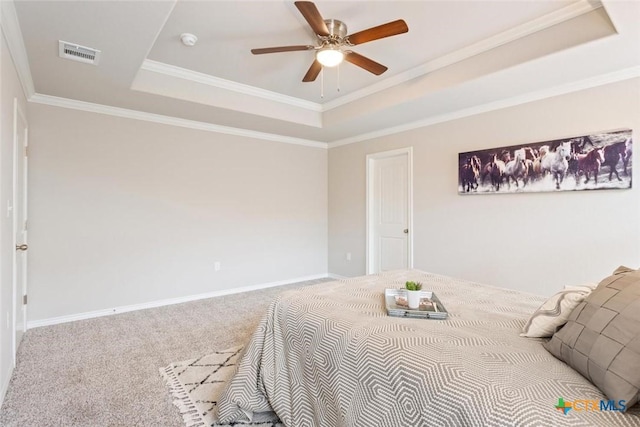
(590, 162)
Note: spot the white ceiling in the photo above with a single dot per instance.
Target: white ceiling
(228, 30)
(459, 57)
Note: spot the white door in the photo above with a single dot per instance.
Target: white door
(20, 141)
(389, 182)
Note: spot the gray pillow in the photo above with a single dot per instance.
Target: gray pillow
(555, 311)
(601, 339)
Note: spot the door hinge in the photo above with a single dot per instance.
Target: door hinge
(24, 300)
(26, 224)
(26, 151)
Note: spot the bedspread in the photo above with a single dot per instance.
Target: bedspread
(328, 355)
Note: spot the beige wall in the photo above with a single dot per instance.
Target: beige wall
(127, 212)
(10, 89)
(532, 242)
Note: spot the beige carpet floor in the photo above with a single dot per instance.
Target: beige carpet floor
(104, 371)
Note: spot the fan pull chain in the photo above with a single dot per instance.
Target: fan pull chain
(322, 83)
(338, 71)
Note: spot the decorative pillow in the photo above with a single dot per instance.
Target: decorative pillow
(601, 339)
(555, 311)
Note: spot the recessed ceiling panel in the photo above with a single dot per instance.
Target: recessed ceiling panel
(227, 31)
(457, 56)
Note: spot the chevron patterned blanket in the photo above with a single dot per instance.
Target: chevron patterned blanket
(328, 355)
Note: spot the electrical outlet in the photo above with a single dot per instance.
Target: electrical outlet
(349, 256)
(216, 266)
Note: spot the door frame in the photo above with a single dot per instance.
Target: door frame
(19, 154)
(370, 184)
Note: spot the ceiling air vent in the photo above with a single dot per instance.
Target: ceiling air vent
(78, 53)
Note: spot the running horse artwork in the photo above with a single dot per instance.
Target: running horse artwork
(614, 153)
(574, 163)
(557, 162)
(470, 173)
(590, 162)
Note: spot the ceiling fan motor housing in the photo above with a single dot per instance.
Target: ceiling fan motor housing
(337, 29)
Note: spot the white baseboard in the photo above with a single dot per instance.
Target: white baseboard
(5, 384)
(125, 308)
(336, 276)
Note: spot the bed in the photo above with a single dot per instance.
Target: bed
(329, 355)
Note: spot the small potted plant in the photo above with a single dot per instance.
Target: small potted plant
(413, 294)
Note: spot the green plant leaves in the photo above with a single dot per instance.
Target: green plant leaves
(413, 286)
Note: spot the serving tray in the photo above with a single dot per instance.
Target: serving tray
(430, 305)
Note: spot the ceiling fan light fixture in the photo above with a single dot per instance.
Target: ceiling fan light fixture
(330, 56)
(332, 37)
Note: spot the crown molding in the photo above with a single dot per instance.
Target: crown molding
(616, 76)
(217, 82)
(168, 120)
(569, 12)
(629, 73)
(13, 34)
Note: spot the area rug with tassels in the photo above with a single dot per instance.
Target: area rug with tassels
(196, 385)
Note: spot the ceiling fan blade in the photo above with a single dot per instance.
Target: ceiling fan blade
(381, 31)
(364, 62)
(281, 49)
(313, 72)
(313, 17)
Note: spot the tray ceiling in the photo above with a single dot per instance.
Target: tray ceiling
(457, 56)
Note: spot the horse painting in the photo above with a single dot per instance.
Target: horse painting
(590, 163)
(579, 145)
(613, 154)
(628, 153)
(575, 163)
(557, 162)
(537, 163)
(516, 169)
(486, 169)
(497, 172)
(530, 158)
(469, 174)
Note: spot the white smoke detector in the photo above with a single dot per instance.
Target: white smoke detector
(188, 39)
(75, 52)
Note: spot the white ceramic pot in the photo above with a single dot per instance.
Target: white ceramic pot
(413, 299)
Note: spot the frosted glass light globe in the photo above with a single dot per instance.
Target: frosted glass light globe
(329, 57)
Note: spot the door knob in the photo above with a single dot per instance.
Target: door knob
(22, 247)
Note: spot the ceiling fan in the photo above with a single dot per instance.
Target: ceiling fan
(334, 43)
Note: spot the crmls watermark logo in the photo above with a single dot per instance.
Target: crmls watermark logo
(591, 405)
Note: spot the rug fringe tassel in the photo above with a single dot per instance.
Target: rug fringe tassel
(185, 406)
(198, 409)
